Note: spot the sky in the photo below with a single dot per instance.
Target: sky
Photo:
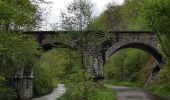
(52, 10)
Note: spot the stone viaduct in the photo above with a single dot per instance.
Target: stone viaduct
(97, 57)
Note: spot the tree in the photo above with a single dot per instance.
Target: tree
(77, 17)
(120, 17)
(16, 52)
(18, 15)
(110, 19)
(157, 16)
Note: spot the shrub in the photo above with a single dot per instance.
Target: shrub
(162, 90)
(79, 85)
(6, 92)
(102, 94)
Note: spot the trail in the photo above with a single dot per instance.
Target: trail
(127, 93)
(57, 92)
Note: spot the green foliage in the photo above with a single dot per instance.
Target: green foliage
(162, 90)
(121, 83)
(129, 65)
(125, 65)
(49, 66)
(157, 16)
(17, 14)
(135, 60)
(131, 15)
(114, 67)
(108, 20)
(42, 80)
(120, 17)
(156, 13)
(102, 94)
(79, 85)
(54, 67)
(6, 92)
(77, 15)
(94, 39)
(17, 51)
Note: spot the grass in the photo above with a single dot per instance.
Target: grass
(102, 94)
(162, 91)
(120, 83)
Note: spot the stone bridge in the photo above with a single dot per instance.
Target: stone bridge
(96, 58)
(144, 40)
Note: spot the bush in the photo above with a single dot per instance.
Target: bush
(79, 85)
(16, 51)
(102, 94)
(43, 82)
(6, 92)
(162, 90)
(54, 67)
(125, 65)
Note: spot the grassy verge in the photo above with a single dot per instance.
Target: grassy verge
(162, 91)
(97, 94)
(120, 83)
(102, 94)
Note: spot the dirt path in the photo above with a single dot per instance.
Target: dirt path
(126, 93)
(57, 92)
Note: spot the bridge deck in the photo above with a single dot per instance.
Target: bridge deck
(96, 31)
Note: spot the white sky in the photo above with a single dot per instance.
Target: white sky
(56, 6)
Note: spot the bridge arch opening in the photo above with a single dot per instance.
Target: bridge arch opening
(120, 67)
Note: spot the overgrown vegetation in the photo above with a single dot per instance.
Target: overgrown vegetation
(102, 94)
(80, 84)
(133, 65)
(52, 68)
(17, 52)
(128, 67)
(6, 92)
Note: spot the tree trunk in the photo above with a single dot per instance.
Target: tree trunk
(70, 58)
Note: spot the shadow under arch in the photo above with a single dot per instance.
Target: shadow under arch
(49, 46)
(145, 47)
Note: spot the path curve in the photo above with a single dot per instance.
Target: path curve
(57, 92)
(127, 93)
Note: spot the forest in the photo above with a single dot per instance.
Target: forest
(128, 67)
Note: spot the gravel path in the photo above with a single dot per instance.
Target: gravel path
(57, 92)
(126, 93)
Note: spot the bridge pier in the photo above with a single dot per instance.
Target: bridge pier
(94, 63)
(24, 87)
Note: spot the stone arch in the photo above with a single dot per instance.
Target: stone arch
(142, 46)
(151, 47)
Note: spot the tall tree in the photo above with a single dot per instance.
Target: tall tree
(157, 16)
(18, 15)
(76, 17)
